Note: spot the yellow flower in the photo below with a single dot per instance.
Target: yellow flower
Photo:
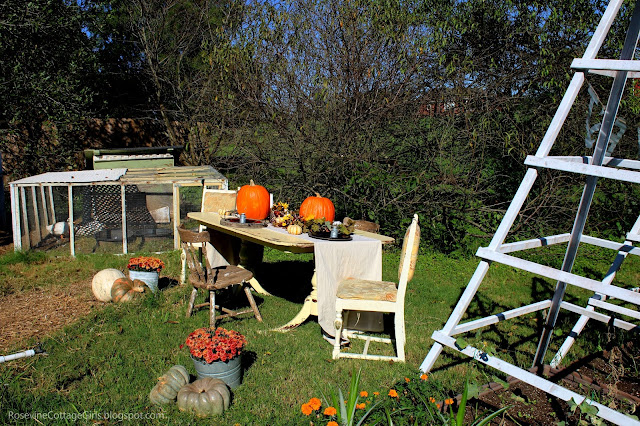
(424, 377)
(315, 403)
(364, 394)
(393, 393)
(330, 411)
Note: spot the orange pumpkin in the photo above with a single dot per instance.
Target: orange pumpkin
(317, 207)
(254, 201)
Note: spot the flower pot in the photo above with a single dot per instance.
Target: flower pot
(149, 278)
(228, 371)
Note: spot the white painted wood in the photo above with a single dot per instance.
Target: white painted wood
(534, 243)
(51, 205)
(558, 275)
(608, 161)
(535, 380)
(614, 308)
(613, 73)
(72, 234)
(629, 65)
(15, 217)
(597, 316)
(503, 316)
(25, 218)
(176, 215)
(123, 206)
(45, 210)
(623, 247)
(584, 169)
(36, 216)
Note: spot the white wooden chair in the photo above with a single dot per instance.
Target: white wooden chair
(212, 201)
(377, 296)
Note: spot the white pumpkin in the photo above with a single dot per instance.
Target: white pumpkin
(102, 283)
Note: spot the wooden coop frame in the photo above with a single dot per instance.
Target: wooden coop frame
(598, 165)
(40, 189)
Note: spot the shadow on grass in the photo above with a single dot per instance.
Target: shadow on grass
(290, 280)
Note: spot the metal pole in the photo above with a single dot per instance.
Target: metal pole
(611, 111)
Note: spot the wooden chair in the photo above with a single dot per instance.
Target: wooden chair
(204, 277)
(377, 296)
(212, 200)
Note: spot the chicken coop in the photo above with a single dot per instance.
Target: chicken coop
(107, 209)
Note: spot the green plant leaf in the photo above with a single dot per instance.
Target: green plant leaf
(461, 343)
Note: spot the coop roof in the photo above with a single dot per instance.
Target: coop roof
(183, 175)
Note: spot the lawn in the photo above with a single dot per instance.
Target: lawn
(108, 360)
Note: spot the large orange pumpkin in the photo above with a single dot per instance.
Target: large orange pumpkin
(254, 201)
(317, 207)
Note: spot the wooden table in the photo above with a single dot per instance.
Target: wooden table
(250, 254)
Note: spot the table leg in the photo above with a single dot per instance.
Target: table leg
(310, 307)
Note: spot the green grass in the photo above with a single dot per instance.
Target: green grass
(109, 360)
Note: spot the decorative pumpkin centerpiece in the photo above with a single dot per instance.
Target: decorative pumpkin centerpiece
(294, 229)
(217, 353)
(204, 397)
(146, 269)
(316, 207)
(166, 390)
(254, 201)
(124, 289)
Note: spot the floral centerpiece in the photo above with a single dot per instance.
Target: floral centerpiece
(209, 345)
(282, 217)
(145, 264)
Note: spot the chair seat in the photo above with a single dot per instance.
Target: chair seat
(367, 290)
(223, 277)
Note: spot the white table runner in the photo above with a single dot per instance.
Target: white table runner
(337, 260)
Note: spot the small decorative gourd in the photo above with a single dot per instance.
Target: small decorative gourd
(204, 397)
(124, 290)
(294, 229)
(166, 390)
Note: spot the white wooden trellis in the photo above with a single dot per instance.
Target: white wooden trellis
(593, 167)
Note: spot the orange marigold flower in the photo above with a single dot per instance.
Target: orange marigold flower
(330, 411)
(360, 406)
(438, 406)
(432, 400)
(376, 394)
(448, 401)
(306, 409)
(364, 394)
(424, 377)
(315, 403)
(332, 423)
(406, 379)
(393, 393)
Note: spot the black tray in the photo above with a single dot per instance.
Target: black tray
(326, 236)
(250, 223)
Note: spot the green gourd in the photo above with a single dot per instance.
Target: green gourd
(166, 390)
(204, 397)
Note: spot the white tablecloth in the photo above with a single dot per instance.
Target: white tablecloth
(336, 260)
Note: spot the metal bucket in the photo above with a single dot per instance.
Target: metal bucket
(229, 371)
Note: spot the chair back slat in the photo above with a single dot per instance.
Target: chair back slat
(408, 258)
(187, 240)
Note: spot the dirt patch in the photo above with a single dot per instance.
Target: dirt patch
(610, 377)
(40, 312)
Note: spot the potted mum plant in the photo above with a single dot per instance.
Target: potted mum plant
(216, 352)
(146, 269)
